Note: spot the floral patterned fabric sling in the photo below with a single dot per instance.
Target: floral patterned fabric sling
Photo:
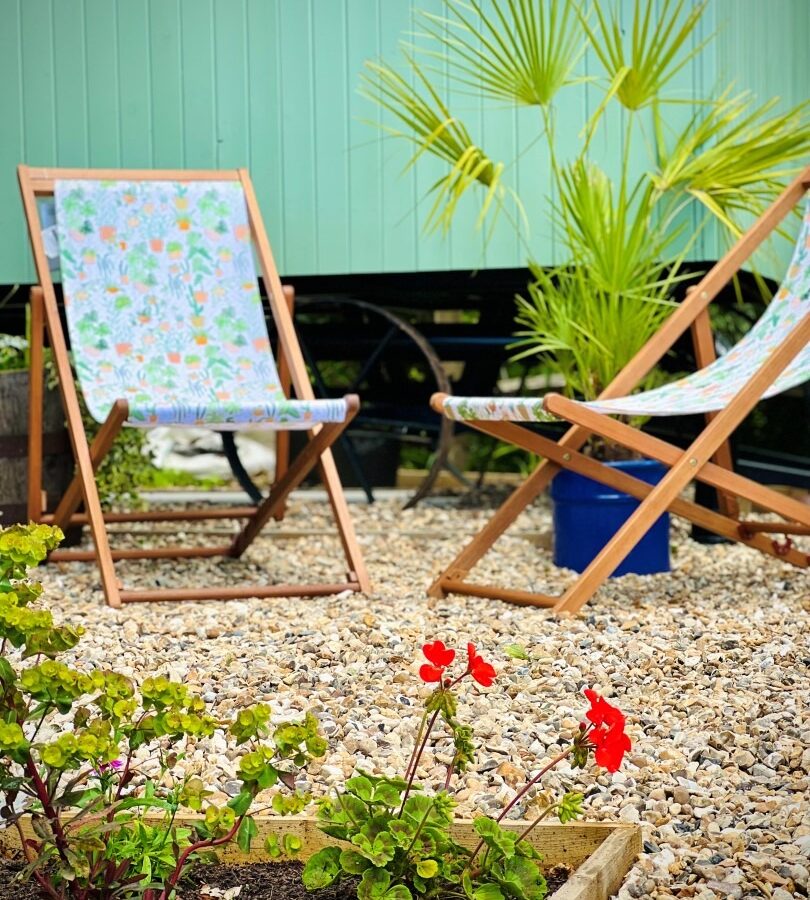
(711, 388)
(163, 307)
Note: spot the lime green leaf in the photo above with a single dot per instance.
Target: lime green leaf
(322, 868)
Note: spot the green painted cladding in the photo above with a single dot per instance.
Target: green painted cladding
(273, 85)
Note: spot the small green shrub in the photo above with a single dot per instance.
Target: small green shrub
(102, 828)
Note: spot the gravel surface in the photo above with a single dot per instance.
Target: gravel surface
(709, 663)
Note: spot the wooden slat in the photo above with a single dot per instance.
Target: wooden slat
(36, 397)
(521, 598)
(241, 592)
(601, 875)
(166, 515)
(143, 553)
(569, 845)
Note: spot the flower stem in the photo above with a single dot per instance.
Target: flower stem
(549, 809)
(450, 769)
(419, 734)
(529, 784)
(416, 759)
(207, 844)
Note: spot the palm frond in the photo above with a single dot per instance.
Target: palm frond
(734, 156)
(522, 51)
(639, 72)
(428, 123)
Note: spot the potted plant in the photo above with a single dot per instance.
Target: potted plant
(624, 235)
(123, 470)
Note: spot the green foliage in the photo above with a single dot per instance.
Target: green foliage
(397, 838)
(90, 803)
(623, 249)
(13, 353)
(126, 467)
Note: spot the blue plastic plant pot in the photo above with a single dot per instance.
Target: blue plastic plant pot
(587, 514)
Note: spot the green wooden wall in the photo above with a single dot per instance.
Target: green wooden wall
(272, 84)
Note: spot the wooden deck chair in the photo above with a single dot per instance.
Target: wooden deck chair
(773, 357)
(166, 328)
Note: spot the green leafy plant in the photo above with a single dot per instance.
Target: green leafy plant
(128, 464)
(13, 353)
(397, 837)
(622, 237)
(102, 827)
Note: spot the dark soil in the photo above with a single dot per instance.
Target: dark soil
(11, 889)
(259, 881)
(282, 881)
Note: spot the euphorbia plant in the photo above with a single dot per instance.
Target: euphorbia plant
(104, 828)
(399, 835)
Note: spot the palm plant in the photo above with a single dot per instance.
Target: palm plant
(624, 250)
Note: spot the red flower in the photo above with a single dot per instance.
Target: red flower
(481, 671)
(601, 712)
(607, 737)
(439, 658)
(610, 746)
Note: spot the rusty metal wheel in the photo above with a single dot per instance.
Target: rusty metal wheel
(352, 346)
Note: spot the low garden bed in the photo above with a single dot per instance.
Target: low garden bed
(594, 856)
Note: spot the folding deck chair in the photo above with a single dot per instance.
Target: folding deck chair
(773, 357)
(167, 328)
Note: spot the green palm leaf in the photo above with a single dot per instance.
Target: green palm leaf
(523, 51)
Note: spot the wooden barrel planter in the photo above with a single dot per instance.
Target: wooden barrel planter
(57, 463)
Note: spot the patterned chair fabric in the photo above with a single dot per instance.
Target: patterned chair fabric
(163, 307)
(709, 389)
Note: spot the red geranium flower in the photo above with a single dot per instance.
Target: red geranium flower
(481, 671)
(607, 737)
(601, 712)
(610, 746)
(439, 658)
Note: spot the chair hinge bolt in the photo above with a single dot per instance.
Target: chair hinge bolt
(692, 461)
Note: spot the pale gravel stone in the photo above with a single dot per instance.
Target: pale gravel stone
(709, 663)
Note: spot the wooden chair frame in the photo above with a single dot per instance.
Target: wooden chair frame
(37, 182)
(707, 459)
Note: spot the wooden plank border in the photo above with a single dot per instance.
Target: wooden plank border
(599, 854)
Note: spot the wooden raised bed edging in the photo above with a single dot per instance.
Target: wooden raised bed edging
(599, 854)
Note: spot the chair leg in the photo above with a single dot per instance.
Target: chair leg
(285, 380)
(705, 355)
(98, 450)
(36, 398)
(317, 449)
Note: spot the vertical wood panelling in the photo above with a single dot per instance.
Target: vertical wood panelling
(72, 135)
(365, 150)
(14, 252)
(432, 250)
(134, 82)
(166, 82)
(231, 66)
(326, 60)
(39, 102)
(273, 84)
(298, 137)
(200, 127)
(104, 125)
(265, 79)
(398, 225)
